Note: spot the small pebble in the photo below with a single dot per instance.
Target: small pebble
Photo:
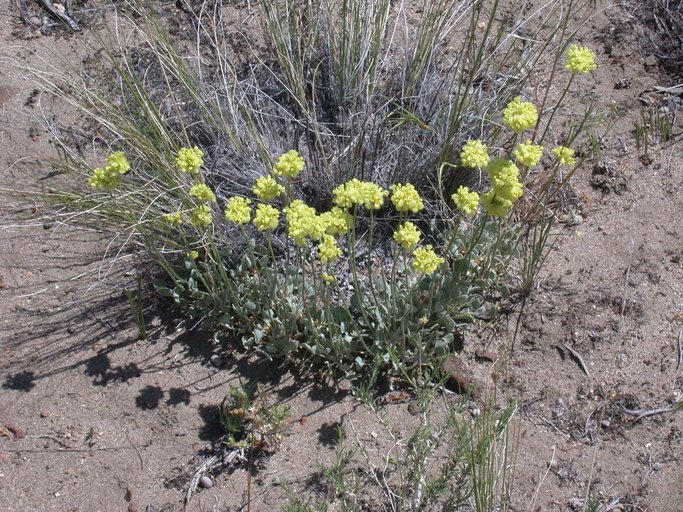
(44, 413)
(208, 448)
(71, 329)
(133, 507)
(414, 408)
(206, 482)
(5, 457)
(129, 495)
(605, 423)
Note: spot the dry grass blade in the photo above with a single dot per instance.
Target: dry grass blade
(577, 357)
(680, 349)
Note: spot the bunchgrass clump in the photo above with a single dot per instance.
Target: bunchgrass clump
(450, 459)
(354, 197)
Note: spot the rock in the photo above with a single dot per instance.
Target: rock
(5, 457)
(44, 413)
(129, 495)
(414, 408)
(217, 361)
(133, 507)
(651, 63)
(206, 482)
(485, 355)
(17, 432)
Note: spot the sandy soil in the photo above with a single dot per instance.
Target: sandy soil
(91, 419)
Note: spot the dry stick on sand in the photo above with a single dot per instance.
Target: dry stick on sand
(644, 414)
(142, 464)
(680, 349)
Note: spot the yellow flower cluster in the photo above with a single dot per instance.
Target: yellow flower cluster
(580, 59)
(328, 249)
(201, 216)
(425, 260)
(405, 198)
(520, 115)
(109, 177)
(466, 201)
(474, 154)
(303, 222)
(528, 154)
(289, 165)
(564, 155)
(506, 187)
(337, 221)
(202, 192)
(266, 217)
(175, 218)
(502, 172)
(189, 160)
(267, 189)
(193, 255)
(238, 210)
(495, 205)
(328, 279)
(362, 193)
(407, 236)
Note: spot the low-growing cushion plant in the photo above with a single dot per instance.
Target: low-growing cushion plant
(351, 199)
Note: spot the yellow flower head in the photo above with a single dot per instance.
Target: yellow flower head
(109, 177)
(372, 195)
(520, 115)
(495, 205)
(502, 172)
(528, 154)
(328, 279)
(337, 221)
(289, 165)
(303, 222)
(406, 198)
(102, 177)
(189, 160)
(474, 154)
(118, 163)
(202, 192)
(363, 193)
(466, 201)
(564, 155)
(267, 189)
(580, 60)
(193, 255)
(407, 236)
(175, 218)
(266, 217)
(511, 191)
(328, 249)
(347, 194)
(238, 210)
(425, 260)
(201, 216)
